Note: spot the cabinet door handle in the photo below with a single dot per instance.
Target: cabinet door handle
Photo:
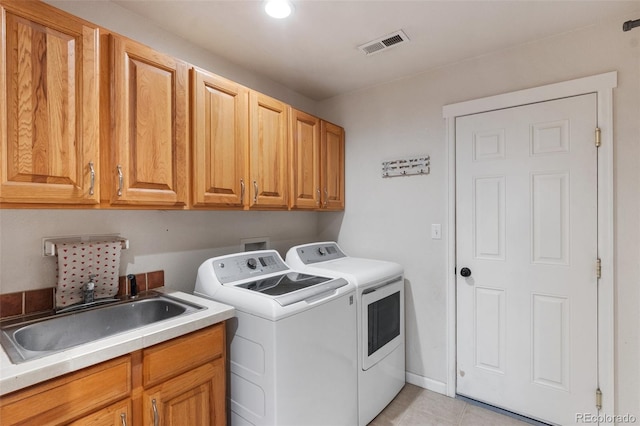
(318, 199)
(156, 416)
(92, 174)
(255, 188)
(120, 180)
(123, 419)
(326, 197)
(242, 188)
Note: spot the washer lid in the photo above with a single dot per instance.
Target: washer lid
(293, 287)
(360, 271)
(283, 284)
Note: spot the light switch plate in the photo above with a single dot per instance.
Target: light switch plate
(436, 231)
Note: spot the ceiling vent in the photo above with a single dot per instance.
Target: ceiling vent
(384, 43)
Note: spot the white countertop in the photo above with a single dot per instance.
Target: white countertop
(17, 376)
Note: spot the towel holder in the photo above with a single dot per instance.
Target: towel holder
(406, 166)
(49, 243)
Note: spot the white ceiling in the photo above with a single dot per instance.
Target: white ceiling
(314, 51)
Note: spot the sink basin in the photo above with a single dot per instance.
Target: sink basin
(26, 341)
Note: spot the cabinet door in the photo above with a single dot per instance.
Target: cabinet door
(48, 106)
(116, 414)
(68, 397)
(305, 160)
(332, 166)
(220, 114)
(149, 144)
(193, 398)
(268, 161)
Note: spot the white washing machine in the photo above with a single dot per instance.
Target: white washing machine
(293, 347)
(380, 319)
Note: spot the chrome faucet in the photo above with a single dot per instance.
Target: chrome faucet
(88, 295)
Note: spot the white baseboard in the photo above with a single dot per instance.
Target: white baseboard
(426, 383)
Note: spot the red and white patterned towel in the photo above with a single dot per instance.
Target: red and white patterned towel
(78, 260)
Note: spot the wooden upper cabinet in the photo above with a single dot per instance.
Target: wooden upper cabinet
(49, 101)
(90, 118)
(332, 171)
(317, 163)
(304, 153)
(148, 148)
(268, 159)
(220, 136)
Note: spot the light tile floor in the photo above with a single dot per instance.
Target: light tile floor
(415, 406)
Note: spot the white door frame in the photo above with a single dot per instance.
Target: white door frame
(602, 85)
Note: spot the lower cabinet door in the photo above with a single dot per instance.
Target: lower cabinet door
(193, 398)
(115, 414)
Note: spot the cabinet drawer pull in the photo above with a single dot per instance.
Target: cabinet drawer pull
(255, 188)
(92, 174)
(120, 180)
(242, 188)
(123, 419)
(156, 416)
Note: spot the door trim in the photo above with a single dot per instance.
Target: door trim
(602, 85)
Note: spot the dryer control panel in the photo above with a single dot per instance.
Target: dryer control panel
(319, 252)
(241, 266)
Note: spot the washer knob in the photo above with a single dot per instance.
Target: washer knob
(322, 251)
(252, 263)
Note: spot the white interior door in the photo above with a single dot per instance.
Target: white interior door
(526, 226)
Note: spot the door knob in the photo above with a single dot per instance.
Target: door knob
(465, 272)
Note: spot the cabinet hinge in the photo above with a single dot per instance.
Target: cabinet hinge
(598, 268)
(598, 399)
(598, 137)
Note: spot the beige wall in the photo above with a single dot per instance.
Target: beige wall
(120, 20)
(391, 218)
(174, 241)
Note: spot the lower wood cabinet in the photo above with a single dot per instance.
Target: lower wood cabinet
(115, 414)
(184, 380)
(178, 382)
(70, 397)
(188, 399)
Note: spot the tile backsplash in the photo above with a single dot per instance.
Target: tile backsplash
(42, 300)
(145, 281)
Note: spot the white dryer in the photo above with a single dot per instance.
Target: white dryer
(380, 319)
(293, 347)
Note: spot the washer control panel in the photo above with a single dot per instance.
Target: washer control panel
(240, 266)
(319, 252)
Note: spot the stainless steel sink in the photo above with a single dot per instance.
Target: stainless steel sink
(35, 339)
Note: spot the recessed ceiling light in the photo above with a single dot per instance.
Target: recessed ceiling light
(278, 8)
